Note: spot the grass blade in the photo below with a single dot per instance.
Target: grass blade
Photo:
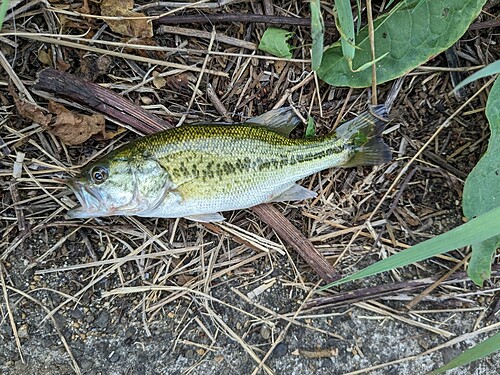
(479, 229)
(346, 28)
(317, 29)
(488, 70)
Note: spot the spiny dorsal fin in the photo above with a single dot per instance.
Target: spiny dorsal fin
(282, 120)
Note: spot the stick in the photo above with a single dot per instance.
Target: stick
(224, 18)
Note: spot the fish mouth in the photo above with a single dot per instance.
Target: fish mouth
(90, 201)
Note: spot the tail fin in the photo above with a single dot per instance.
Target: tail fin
(363, 134)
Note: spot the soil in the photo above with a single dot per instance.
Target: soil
(155, 296)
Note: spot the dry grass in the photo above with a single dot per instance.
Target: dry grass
(158, 266)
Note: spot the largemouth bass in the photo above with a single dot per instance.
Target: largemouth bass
(198, 171)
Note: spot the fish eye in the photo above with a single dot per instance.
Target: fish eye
(99, 174)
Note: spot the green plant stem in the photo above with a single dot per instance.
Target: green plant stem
(371, 34)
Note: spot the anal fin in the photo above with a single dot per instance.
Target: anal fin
(206, 218)
(294, 193)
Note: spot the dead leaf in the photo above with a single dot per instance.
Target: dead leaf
(280, 65)
(44, 57)
(31, 111)
(85, 9)
(180, 82)
(159, 81)
(74, 128)
(129, 27)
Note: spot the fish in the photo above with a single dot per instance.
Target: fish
(199, 171)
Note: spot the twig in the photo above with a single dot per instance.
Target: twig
(434, 285)
(9, 313)
(207, 35)
(303, 246)
(248, 18)
(490, 24)
(369, 293)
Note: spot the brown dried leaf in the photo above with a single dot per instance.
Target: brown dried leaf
(180, 82)
(73, 128)
(44, 57)
(158, 81)
(129, 27)
(31, 111)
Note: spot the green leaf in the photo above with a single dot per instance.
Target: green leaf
(488, 70)
(317, 28)
(482, 190)
(481, 350)
(346, 28)
(274, 41)
(311, 128)
(413, 32)
(479, 229)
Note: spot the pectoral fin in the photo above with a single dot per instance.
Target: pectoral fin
(206, 218)
(294, 193)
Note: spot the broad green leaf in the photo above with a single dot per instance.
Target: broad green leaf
(317, 28)
(274, 41)
(413, 32)
(489, 70)
(482, 190)
(345, 26)
(481, 350)
(311, 128)
(479, 229)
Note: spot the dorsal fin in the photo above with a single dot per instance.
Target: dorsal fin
(282, 120)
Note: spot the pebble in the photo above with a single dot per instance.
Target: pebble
(129, 335)
(60, 321)
(265, 332)
(76, 314)
(189, 353)
(280, 350)
(115, 357)
(103, 319)
(22, 332)
(86, 364)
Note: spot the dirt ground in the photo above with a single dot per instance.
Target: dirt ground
(156, 296)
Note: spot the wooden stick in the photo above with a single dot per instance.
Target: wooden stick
(225, 18)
